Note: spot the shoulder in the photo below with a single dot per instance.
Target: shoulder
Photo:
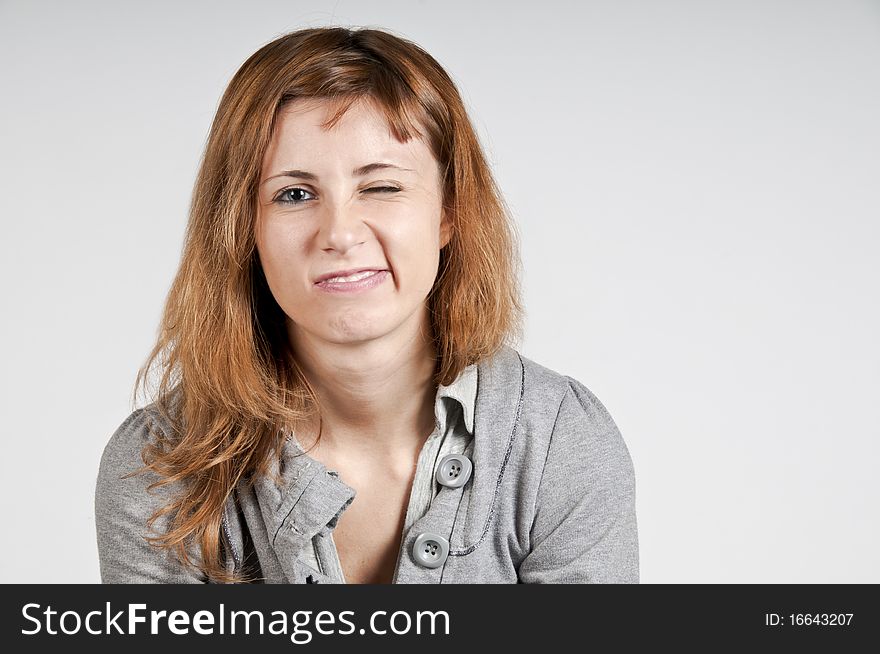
(127, 498)
(123, 449)
(582, 426)
(122, 456)
(540, 384)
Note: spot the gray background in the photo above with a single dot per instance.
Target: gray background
(695, 183)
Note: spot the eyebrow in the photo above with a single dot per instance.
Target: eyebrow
(357, 172)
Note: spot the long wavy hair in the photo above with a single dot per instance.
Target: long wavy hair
(230, 386)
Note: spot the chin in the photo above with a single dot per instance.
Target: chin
(349, 328)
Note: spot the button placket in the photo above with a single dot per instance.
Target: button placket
(427, 542)
(426, 547)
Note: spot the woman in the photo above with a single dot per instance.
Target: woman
(338, 400)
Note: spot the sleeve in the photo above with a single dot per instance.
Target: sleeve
(122, 507)
(584, 528)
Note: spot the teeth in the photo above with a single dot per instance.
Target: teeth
(352, 278)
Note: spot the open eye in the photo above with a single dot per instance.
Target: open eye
(293, 198)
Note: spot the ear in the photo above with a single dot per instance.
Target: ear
(445, 229)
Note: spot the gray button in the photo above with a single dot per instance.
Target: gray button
(430, 550)
(454, 470)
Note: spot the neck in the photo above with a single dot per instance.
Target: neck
(376, 397)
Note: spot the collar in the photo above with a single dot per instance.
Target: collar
(463, 391)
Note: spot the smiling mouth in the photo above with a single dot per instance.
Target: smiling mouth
(361, 281)
(353, 278)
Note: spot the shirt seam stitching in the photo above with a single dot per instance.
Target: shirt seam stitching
(468, 550)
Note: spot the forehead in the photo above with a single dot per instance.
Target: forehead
(362, 135)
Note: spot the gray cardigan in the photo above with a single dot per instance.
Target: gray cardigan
(550, 499)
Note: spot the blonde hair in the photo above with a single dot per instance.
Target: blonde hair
(229, 383)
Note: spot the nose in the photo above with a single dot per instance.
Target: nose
(341, 227)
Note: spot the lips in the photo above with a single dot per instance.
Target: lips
(355, 284)
(346, 273)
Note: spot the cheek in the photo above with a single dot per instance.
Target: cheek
(413, 251)
(282, 263)
(415, 223)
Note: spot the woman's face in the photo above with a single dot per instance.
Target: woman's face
(346, 199)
